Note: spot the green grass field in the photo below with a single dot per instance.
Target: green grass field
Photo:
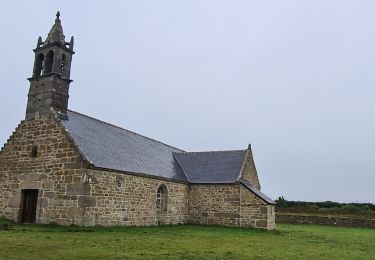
(185, 242)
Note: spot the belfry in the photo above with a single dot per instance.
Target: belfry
(49, 84)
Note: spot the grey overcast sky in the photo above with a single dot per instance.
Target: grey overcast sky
(293, 78)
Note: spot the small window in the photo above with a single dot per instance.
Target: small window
(34, 152)
(63, 58)
(162, 198)
(119, 183)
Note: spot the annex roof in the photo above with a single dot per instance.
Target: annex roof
(257, 192)
(212, 167)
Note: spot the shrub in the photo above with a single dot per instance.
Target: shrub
(325, 206)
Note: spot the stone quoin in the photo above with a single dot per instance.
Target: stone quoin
(63, 167)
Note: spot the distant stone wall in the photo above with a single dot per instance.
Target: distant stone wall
(321, 220)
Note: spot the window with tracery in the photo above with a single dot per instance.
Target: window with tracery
(162, 198)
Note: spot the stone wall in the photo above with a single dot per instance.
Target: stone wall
(215, 204)
(249, 172)
(229, 205)
(255, 212)
(68, 192)
(39, 155)
(321, 220)
(134, 203)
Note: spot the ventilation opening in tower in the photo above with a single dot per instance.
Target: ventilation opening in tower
(49, 62)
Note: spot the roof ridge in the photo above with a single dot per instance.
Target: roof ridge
(93, 118)
(222, 151)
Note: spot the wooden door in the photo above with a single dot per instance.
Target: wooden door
(30, 200)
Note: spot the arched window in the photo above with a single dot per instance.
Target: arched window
(162, 198)
(63, 58)
(49, 62)
(39, 63)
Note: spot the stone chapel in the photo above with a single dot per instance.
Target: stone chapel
(63, 167)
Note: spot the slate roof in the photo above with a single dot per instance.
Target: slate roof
(111, 147)
(212, 167)
(257, 192)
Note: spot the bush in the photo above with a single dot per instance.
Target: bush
(325, 206)
(6, 224)
(5, 221)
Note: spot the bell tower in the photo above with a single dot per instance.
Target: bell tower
(49, 84)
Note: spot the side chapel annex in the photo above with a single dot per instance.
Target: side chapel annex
(63, 167)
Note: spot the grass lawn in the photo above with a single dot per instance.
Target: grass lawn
(185, 242)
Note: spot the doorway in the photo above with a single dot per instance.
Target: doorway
(30, 200)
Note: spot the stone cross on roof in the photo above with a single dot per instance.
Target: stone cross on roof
(56, 33)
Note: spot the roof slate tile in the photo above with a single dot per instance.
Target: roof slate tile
(111, 147)
(212, 167)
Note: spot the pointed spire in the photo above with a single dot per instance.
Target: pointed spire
(40, 42)
(71, 43)
(56, 33)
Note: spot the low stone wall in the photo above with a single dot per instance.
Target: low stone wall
(321, 220)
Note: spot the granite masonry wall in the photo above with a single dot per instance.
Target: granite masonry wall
(215, 204)
(71, 193)
(41, 156)
(323, 220)
(255, 212)
(249, 172)
(229, 205)
(134, 202)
